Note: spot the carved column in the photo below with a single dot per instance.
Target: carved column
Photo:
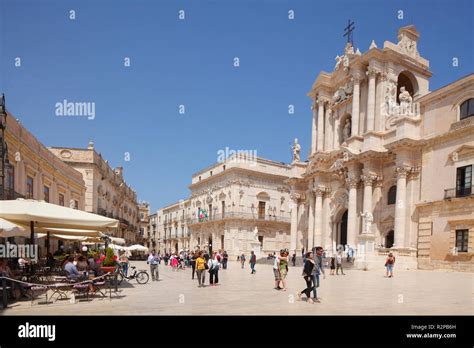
(372, 74)
(377, 196)
(355, 105)
(412, 189)
(327, 224)
(336, 131)
(352, 229)
(327, 137)
(368, 181)
(400, 207)
(314, 128)
(318, 216)
(294, 221)
(321, 103)
(310, 219)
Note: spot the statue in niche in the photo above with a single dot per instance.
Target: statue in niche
(346, 131)
(406, 101)
(296, 151)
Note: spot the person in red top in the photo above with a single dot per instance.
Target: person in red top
(389, 265)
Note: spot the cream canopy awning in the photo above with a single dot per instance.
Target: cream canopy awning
(51, 215)
(9, 229)
(137, 247)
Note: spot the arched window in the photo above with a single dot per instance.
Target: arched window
(392, 195)
(408, 80)
(467, 109)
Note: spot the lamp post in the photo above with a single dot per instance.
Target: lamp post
(3, 145)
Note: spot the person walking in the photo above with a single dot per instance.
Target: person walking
(192, 261)
(253, 261)
(200, 269)
(389, 263)
(153, 261)
(283, 267)
(214, 266)
(293, 259)
(242, 260)
(276, 272)
(307, 271)
(124, 262)
(225, 259)
(317, 270)
(339, 263)
(333, 265)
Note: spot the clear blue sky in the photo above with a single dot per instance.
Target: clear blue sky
(190, 62)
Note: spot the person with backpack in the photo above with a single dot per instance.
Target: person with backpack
(242, 260)
(389, 263)
(214, 265)
(253, 261)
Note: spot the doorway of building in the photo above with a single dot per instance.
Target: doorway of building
(389, 239)
(260, 239)
(343, 229)
(210, 246)
(176, 248)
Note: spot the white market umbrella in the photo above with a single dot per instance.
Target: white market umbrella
(44, 214)
(137, 247)
(9, 229)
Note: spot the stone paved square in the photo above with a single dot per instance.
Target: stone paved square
(240, 293)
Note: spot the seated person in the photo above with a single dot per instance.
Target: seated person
(71, 269)
(95, 266)
(4, 269)
(82, 264)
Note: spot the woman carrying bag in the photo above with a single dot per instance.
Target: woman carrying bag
(214, 265)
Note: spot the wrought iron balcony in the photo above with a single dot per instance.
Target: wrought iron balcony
(462, 191)
(10, 195)
(238, 215)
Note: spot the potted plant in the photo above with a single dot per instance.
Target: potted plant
(110, 261)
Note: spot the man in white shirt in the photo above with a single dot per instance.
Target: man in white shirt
(276, 271)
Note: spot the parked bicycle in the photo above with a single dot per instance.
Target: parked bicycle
(141, 276)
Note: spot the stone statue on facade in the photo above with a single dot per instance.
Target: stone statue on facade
(367, 219)
(406, 101)
(296, 151)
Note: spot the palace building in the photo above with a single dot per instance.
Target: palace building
(389, 170)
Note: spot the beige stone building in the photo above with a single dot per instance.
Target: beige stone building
(107, 192)
(144, 215)
(390, 165)
(34, 172)
(172, 229)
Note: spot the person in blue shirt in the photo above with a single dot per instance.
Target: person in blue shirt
(71, 269)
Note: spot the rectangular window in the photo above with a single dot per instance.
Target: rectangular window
(462, 238)
(61, 199)
(10, 182)
(210, 212)
(223, 209)
(29, 187)
(261, 210)
(46, 193)
(464, 181)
